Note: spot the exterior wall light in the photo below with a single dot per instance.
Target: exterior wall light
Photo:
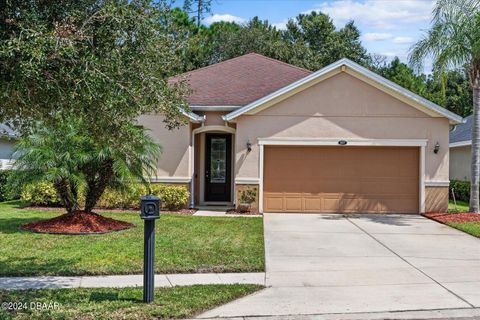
(436, 148)
(249, 146)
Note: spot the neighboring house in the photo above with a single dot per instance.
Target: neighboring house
(461, 150)
(342, 139)
(7, 138)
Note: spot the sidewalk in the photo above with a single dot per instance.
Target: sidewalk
(161, 280)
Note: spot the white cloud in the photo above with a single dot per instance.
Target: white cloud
(387, 14)
(403, 40)
(376, 36)
(224, 17)
(389, 54)
(282, 25)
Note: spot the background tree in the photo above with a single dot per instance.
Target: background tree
(451, 89)
(199, 8)
(317, 32)
(453, 41)
(404, 76)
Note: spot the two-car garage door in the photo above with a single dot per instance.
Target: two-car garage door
(341, 179)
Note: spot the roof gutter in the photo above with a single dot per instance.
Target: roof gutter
(193, 117)
(215, 108)
(460, 144)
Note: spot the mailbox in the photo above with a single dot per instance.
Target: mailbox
(149, 207)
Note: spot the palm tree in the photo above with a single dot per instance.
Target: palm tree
(66, 156)
(453, 41)
(117, 167)
(52, 154)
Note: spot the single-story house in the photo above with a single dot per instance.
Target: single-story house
(7, 141)
(461, 150)
(341, 139)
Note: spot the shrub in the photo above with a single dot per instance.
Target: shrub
(7, 192)
(248, 196)
(461, 189)
(41, 194)
(173, 197)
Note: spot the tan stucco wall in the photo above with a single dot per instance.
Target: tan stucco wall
(239, 188)
(213, 118)
(436, 199)
(342, 107)
(460, 160)
(175, 144)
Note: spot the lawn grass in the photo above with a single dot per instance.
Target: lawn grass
(472, 228)
(461, 206)
(125, 303)
(183, 244)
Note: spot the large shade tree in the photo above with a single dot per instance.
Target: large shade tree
(106, 61)
(453, 41)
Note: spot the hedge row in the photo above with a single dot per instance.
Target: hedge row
(172, 197)
(7, 193)
(461, 189)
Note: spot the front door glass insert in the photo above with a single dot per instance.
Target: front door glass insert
(218, 160)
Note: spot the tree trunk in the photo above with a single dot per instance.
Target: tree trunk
(64, 192)
(475, 172)
(199, 12)
(97, 183)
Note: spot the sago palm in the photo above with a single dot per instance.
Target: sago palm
(65, 155)
(118, 166)
(52, 154)
(453, 41)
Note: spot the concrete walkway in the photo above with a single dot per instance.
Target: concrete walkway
(222, 213)
(330, 264)
(161, 280)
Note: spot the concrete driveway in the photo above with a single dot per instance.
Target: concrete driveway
(327, 264)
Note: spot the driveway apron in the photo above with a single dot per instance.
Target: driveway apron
(331, 263)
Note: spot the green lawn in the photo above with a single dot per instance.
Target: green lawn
(461, 206)
(472, 228)
(125, 303)
(183, 244)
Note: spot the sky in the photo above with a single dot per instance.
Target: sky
(388, 27)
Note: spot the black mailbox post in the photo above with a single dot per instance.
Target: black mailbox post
(150, 211)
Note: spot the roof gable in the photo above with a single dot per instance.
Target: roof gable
(462, 132)
(239, 81)
(352, 68)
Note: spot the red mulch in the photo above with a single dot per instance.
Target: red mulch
(78, 223)
(245, 213)
(137, 211)
(454, 217)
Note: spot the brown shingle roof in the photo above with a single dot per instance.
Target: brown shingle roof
(239, 81)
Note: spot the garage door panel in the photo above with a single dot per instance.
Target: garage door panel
(293, 203)
(273, 202)
(312, 203)
(341, 179)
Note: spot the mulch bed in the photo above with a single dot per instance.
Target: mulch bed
(181, 211)
(454, 217)
(79, 222)
(245, 213)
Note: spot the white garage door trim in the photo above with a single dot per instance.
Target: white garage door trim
(421, 143)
